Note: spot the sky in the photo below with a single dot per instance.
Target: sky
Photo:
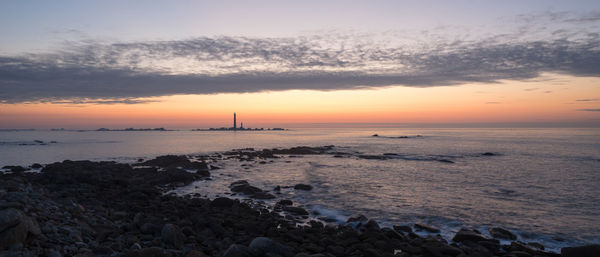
(191, 64)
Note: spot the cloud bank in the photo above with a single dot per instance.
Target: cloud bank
(108, 73)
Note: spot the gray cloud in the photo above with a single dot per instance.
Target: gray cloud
(587, 100)
(122, 72)
(589, 110)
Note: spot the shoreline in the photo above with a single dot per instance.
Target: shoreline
(85, 208)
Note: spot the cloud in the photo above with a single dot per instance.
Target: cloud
(589, 110)
(106, 73)
(588, 100)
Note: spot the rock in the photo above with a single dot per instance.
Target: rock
(15, 169)
(581, 251)
(236, 250)
(222, 202)
(149, 228)
(371, 225)
(488, 154)
(375, 135)
(536, 245)
(357, 218)
(445, 161)
(428, 228)
(153, 252)
(172, 235)
(468, 235)
(36, 166)
(16, 227)
(502, 234)
(195, 253)
(295, 210)
(285, 202)
(303, 187)
(262, 195)
(405, 229)
(52, 253)
(266, 246)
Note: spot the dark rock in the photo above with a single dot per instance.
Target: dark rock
(222, 202)
(196, 253)
(295, 210)
(15, 169)
(581, 251)
(428, 228)
(285, 202)
(371, 225)
(502, 233)
(149, 228)
(175, 161)
(536, 245)
(375, 135)
(406, 229)
(303, 187)
(16, 228)
(153, 252)
(36, 166)
(172, 235)
(262, 195)
(488, 154)
(265, 246)
(445, 161)
(357, 218)
(468, 235)
(236, 250)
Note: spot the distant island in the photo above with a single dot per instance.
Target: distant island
(134, 129)
(241, 128)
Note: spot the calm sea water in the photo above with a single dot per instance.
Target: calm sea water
(544, 183)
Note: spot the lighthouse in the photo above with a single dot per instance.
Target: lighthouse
(234, 122)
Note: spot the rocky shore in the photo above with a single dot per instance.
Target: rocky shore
(85, 208)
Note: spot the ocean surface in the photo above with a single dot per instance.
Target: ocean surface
(542, 184)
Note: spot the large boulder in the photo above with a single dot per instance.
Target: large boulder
(172, 235)
(303, 187)
(265, 246)
(502, 234)
(468, 235)
(581, 251)
(16, 228)
(236, 250)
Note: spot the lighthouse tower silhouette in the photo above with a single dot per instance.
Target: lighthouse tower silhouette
(234, 122)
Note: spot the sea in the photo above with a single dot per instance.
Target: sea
(541, 183)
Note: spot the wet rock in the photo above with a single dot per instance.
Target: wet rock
(36, 166)
(536, 245)
(242, 186)
(196, 253)
(371, 225)
(172, 235)
(175, 161)
(502, 234)
(468, 235)
(222, 202)
(303, 187)
(236, 250)
(445, 161)
(402, 228)
(285, 202)
(489, 154)
(295, 210)
(357, 218)
(262, 195)
(581, 251)
(266, 247)
(15, 169)
(428, 228)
